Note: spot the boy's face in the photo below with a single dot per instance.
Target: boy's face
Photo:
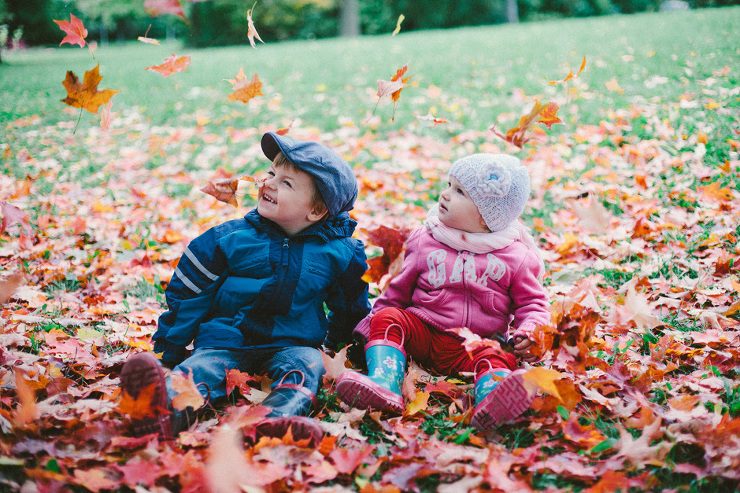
(457, 210)
(286, 198)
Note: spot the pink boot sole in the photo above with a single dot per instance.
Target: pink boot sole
(357, 390)
(508, 400)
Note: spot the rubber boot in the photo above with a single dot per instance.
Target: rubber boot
(381, 389)
(500, 396)
(290, 403)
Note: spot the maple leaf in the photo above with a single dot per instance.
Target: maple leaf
(158, 8)
(546, 115)
(76, 32)
(419, 404)
(223, 190)
(335, 366)
(236, 379)
(392, 241)
(9, 284)
(14, 215)
(639, 452)
(85, 95)
(252, 31)
(393, 87)
(570, 75)
(346, 460)
(544, 379)
(141, 407)
(187, 392)
(27, 411)
(172, 65)
(244, 89)
(640, 310)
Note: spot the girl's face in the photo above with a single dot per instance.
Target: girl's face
(457, 210)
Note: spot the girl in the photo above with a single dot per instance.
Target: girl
(471, 265)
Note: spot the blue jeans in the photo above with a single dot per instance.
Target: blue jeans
(209, 366)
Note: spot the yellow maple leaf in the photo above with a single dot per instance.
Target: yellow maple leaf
(418, 404)
(543, 379)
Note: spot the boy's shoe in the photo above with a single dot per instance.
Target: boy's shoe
(139, 372)
(301, 427)
(359, 391)
(508, 400)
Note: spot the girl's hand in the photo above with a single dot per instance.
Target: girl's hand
(521, 348)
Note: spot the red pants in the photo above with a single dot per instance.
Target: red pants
(437, 350)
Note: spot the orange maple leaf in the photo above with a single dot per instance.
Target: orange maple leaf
(244, 89)
(713, 191)
(392, 242)
(157, 8)
(76, 32)
(223, 190)
(547, 115)
(419, 403)
(251, 30)
(27, 411)
(171, 65)
(86, 95)
(393, 87)
(570, 74)
(9, 284)
(187, 392)
(141, 407)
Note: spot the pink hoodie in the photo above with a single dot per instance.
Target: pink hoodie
(451, 289)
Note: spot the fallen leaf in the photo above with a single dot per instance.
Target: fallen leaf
(187, 392)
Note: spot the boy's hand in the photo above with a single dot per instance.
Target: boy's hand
(521, 348)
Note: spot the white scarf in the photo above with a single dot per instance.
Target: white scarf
(478, 242)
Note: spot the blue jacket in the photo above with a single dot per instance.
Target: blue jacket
(244, 283)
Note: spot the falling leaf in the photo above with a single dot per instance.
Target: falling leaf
(398, 25)
(85, 95)
(187, 392)
(223, 190)
(76, 32)
(252, 31)
(244, 89)
(171, 65)
(146, 40)
(431, 118)
(539, 114)
(158, 8)
(393, 87)
(285, 130)
(570, 75)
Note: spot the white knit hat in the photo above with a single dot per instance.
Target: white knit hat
(498, 185)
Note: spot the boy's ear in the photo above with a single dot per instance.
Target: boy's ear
(317, 212)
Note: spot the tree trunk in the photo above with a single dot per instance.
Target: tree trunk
(512, 11)
(350, 18)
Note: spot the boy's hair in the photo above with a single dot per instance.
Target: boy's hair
(317, 201)
(498, 185)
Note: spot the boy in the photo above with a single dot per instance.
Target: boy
(250, 294)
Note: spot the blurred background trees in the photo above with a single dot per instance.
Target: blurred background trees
(224, 22)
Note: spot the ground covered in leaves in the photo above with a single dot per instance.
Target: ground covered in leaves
(636, 215)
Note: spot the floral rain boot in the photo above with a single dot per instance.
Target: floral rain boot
(381, 389)
(500, 396)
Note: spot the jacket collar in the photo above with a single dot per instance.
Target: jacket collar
(339, 226)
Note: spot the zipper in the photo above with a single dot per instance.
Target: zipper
(466, 291)
(284, 260)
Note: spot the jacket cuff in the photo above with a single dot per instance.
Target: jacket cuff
(525, 330)
(171, 353)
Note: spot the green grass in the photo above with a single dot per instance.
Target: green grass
(320, 81)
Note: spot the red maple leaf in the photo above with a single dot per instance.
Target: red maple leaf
(393, 87)
(546, 115)
(391, 241)
(171, 65)
(76, 32)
